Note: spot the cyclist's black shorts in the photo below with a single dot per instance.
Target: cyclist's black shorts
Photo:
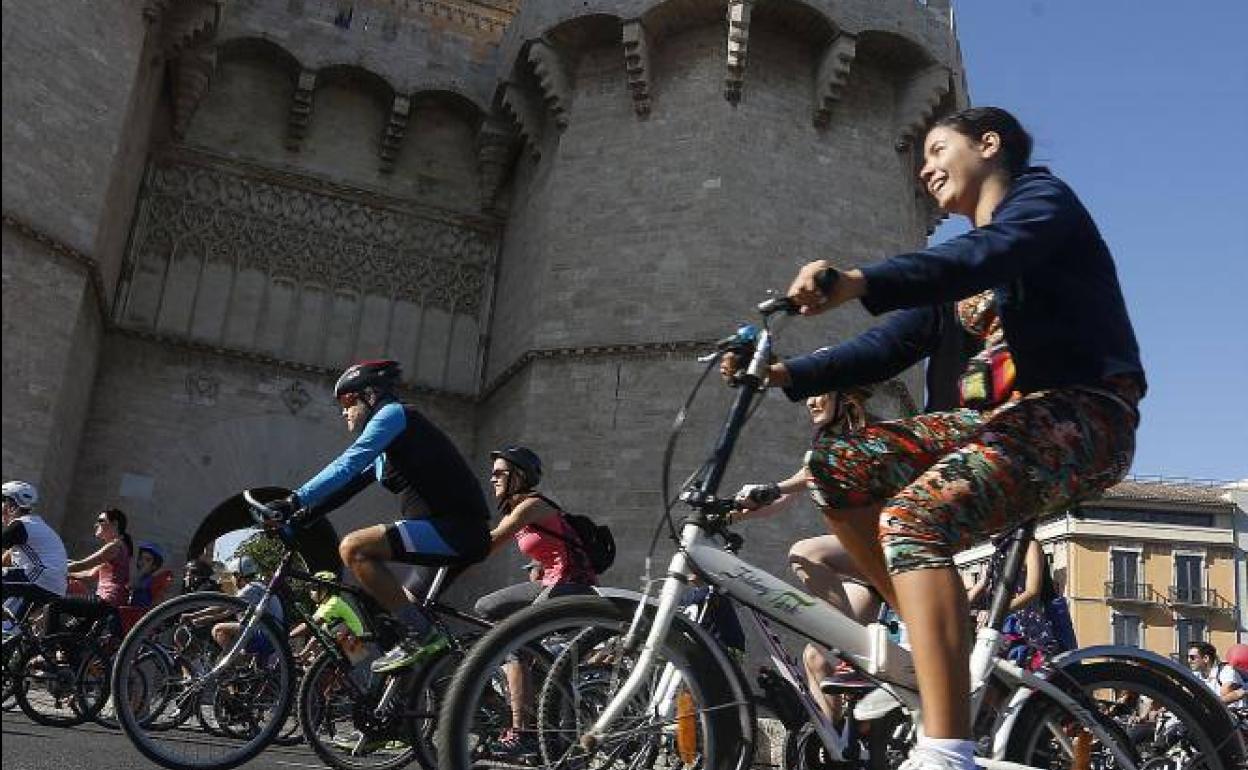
(439, 540)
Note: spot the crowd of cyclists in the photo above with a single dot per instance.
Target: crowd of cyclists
(1033, 383)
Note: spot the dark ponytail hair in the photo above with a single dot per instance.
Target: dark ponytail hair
(118, 517)
(974, 122)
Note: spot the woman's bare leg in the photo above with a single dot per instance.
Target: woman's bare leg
(858, 531)
(939, 645)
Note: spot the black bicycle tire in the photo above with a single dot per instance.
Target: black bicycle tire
(133, 730)
(488, 653)
(45, 645)
(312, 735)
(1140, 678)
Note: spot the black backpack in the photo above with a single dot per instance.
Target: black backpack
(593, 540)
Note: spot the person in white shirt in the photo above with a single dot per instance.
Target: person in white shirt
(34, 556)
(1222, 678)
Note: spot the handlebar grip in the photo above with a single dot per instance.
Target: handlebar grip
(826, 279)
(778, 305)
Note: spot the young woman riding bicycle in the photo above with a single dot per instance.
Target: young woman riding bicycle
(1049, 413)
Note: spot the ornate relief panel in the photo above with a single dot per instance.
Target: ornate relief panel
(252, 259)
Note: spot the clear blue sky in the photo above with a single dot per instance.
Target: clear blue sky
(1142, 106)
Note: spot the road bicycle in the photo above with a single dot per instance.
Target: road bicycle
(208, 706)
(1049, 718)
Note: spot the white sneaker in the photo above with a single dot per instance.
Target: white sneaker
(926, 759)
(875, 704)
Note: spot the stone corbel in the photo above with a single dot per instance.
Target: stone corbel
(738, 47)
(519, 104)
(191, 77)
(832, 75)
(396, 129)
(496, 145)
(918, 103)
(184, 24)
(300, 110)
(552, 75)
(637, 65)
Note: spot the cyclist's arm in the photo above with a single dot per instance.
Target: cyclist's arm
(790, 490)
(524, 513)
(87, 566)
(1035, 578)
(1231, 686)
(904, 339)
(1028, 228)
(382, 429)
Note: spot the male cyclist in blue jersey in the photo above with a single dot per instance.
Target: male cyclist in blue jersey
(444, 516)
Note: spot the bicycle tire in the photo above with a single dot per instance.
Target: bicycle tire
(429, 691)
(1030, 742)
(722, 741)
(326, 672)
(172, 748)
(61, 679)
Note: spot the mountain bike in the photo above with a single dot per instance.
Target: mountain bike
(241, 694)
(1050, 718)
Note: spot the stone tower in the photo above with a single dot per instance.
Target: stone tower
(544, 209)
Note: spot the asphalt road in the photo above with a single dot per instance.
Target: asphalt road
(28, 746)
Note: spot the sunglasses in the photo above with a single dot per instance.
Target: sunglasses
(348, 400)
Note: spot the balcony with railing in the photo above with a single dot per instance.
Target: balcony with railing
(1190, 597)
(1137, 593)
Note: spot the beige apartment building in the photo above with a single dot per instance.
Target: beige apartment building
(1153, 563)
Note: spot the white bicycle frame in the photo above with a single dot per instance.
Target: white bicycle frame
(866, 647)
(785, 665)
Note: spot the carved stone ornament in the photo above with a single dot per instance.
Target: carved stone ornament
(183, 24)
(396, 128)
(192, 74)
(296, 397)
(300, 110)
(495, 149)
(247, 220)
(832, 75)
(519, 104)
(552, 75)
(918, 102)
(738, 47)
(637, 65)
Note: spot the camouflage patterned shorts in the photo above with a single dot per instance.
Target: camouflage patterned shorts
(948, 480)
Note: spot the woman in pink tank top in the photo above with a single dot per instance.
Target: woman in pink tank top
(110, 565)
(561, 568)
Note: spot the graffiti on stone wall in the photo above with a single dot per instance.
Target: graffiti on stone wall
(202, 387)
(296, 397)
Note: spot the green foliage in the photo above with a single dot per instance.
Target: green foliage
(266, 551)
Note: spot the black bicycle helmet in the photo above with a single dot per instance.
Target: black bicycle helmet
(381, 374)
(524, 459)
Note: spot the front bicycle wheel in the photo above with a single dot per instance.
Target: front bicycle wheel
(1044, 736)
(243, 698)
(531, 687)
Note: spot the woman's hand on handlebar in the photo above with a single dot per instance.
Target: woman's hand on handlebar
(731, 363)
(817, 290)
